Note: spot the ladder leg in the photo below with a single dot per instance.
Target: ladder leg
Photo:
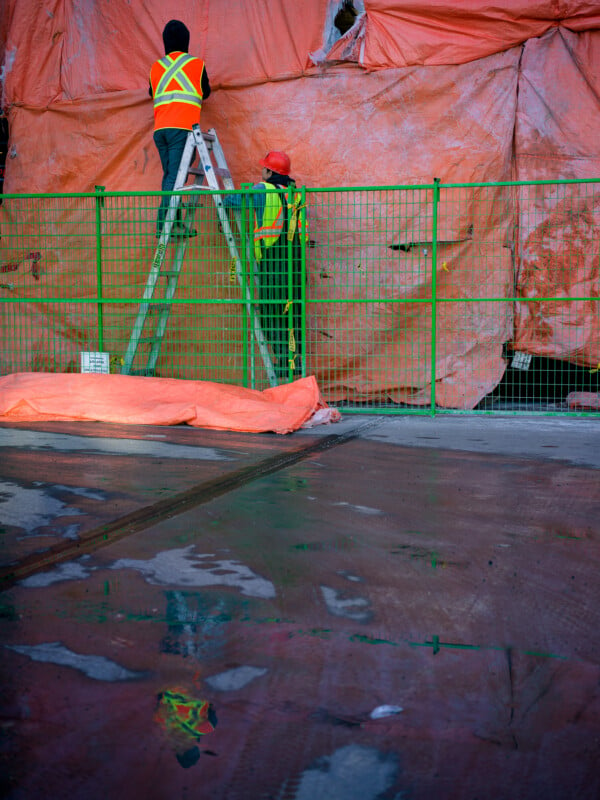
(211, 177)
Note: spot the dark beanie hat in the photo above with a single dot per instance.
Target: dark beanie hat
(176, 36)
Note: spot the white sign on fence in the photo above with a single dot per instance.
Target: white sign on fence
(95, 362)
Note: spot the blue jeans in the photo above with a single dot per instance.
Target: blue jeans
(170, 143)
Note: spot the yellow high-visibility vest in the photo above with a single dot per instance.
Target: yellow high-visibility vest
(267, 234)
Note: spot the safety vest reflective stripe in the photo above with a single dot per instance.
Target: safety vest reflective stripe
(180, 97)
(272, 221)
(174, 71)
(271, 230)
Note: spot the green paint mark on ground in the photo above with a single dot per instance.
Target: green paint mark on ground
(345, 543)
(320, 633)
(543, 655)
(359, 637)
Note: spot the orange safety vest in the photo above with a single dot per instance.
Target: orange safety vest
(176, 81)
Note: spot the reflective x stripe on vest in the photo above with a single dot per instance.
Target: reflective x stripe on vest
(174, 71)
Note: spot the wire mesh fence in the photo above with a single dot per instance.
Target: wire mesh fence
(435, 298)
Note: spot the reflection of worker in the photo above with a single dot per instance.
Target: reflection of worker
(280, 277)
(178, 84)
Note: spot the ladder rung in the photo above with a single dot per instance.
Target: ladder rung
(147, 340)
(195, 171)
(208, 137)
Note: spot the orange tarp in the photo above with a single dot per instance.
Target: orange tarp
(441, 32)
(465, 92)
(127, 399)
(559, 249)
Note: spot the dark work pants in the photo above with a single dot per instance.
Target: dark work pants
(170, 143)
(277, 286)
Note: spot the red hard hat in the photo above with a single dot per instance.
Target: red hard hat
(277, 161)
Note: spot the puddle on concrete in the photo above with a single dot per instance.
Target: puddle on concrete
(233, 679)
(353, 772)
(80, 491)
(350, 577)
(98, 668)
(35, 440)
(355, 608)
(31, 509)
(360, 509)
(183, 567)
(69, 571)
(385, 711)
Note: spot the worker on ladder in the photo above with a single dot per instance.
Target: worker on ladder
(274, 217)
(178, 86)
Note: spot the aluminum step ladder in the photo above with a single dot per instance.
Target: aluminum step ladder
(207, 176)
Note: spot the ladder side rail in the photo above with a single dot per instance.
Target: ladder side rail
(229, 184)
(186, 160)
(233, 249)
(138, 326)
(173, 279)
(157, 263)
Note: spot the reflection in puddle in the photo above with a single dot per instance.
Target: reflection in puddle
(356, 608)
(351, 773)
(69, 571)
(31, 509)
(67, 443)
(234, 679)
(97, 667)
(195, 624)
(182, 567)
(371, 512)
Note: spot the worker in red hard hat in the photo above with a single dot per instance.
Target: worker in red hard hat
(277, 272)
(277, 162)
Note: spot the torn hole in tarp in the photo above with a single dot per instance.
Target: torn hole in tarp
(427, 245)
(343, 21)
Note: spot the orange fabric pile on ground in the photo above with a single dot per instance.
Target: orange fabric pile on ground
(127, 399)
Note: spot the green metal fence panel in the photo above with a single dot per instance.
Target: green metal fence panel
(369, 303)
(428, 299)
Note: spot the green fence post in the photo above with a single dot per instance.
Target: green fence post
(100, 310)
(248, 281)
(290, 285)
(303, 239)
(434, 229)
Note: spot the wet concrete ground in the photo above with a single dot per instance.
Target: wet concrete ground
(382, 608)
